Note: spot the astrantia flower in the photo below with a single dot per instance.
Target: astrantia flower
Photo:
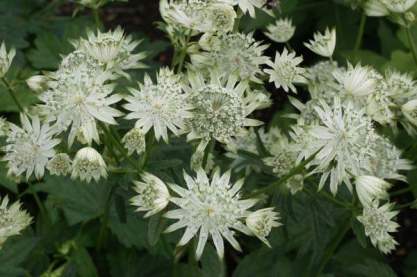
(401, 87)
(236, 54)
(320, 80)
(212, 208)
(345, 140)
(6, 59)
(134, 141)
(4, 127)
(219, 110)
(285, 71)
(371, 188)
(250, 5)
(261, 223)
(162, 105)
(113, 49)
(29, 148)
(323, 44)
(37, 83)
(199, 16)
(375, 8)
(378, 225)
(153, 195)
(78, 102)
(88, 164)
(60, 164)
(12, 219)
(356, 81)
(379, 104)
(399, 6)
(281, 31)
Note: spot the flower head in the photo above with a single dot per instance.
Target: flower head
(162, 105)
(6, 59)
(78, 99)
(261, 223)
(399, 6)
(323, 44)
(88, 164)
(153, 195)
(12, 219)
(281, 31)
(356, 81)
(378, 224)
(134, 141)
(234, 54)
(219, 110)
(60, 164)
(285, 71)
(371, 188)
(29, 148)
(212, 207)
(113, 49)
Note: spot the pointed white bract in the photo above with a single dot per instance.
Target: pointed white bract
(285, 71)
(379, 224)
(281, 31)
(6, 59)
(399, 6)
(323, 44)
(261, 223)
(29, 148)
(153, 195)
(12, 219)
(370, 188)
(88, 164)
(357, 81)
(60, 165)
(134, 141)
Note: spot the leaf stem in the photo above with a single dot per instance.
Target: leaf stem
(360, 34)
(412, 44)
(12, 94)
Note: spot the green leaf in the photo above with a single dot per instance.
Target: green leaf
(402, 61)
(83, 262)
(16, 250)
(155, 228)
(359, 232)
(264, 263)
(79, 201)
(23, 94)
(211, 263)
(5, 181)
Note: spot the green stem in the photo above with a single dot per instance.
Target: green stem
(116, 142)
(406, 205)
(237, 22)
(183, 52)
(333, 246)
(412, 44)
(361, 31)
(13, 94)
(400, 191)
(96, 16)
(209, 150)
(102, 236)
(150, 139)
(332, 199)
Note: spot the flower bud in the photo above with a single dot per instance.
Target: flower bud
(409, 110)
(88, 164)
(371, 188)
(60, 164)
(261, 222)
(134, 141)
(6, 59)
(37, 83)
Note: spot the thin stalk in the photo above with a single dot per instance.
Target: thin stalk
(412, 44)
(361, 31)
(144, 157)
(96, 15)
(406, 205)
(117, 144)
(400, 191)
(38, 201)
(333, 246)
(209, 150)
(102, 236)
(183, 52)
(237, 22)
(12, 94)
(332, 199)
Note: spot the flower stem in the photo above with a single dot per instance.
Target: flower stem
(361, 31)
(400, 191)
(406, 205)
(12, 94)
(102, 236)
(183, 53)
(412, 44)
(96, 15)
(333, 246)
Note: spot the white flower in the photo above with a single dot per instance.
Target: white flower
(220, 107)
(233, 54)
(375, 8)
(12, 219)
(78, 100)
(321, 83)
(261, 223)
(371, 188)
(153, 195)
(4, 127)
(37, 83)
(162, 106)
(6, 59)
(323, 44)
(400, 87)
(29, 148)
(409, 110)
(399, 6)
(345, 140)
(88, 164)
(113, 49)
(211, 207)
(199, 16)
(281, 31)
(378, 225)
(356, 81)
(285, 71)
(60, 164)
(295, 183)
(134, 141)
